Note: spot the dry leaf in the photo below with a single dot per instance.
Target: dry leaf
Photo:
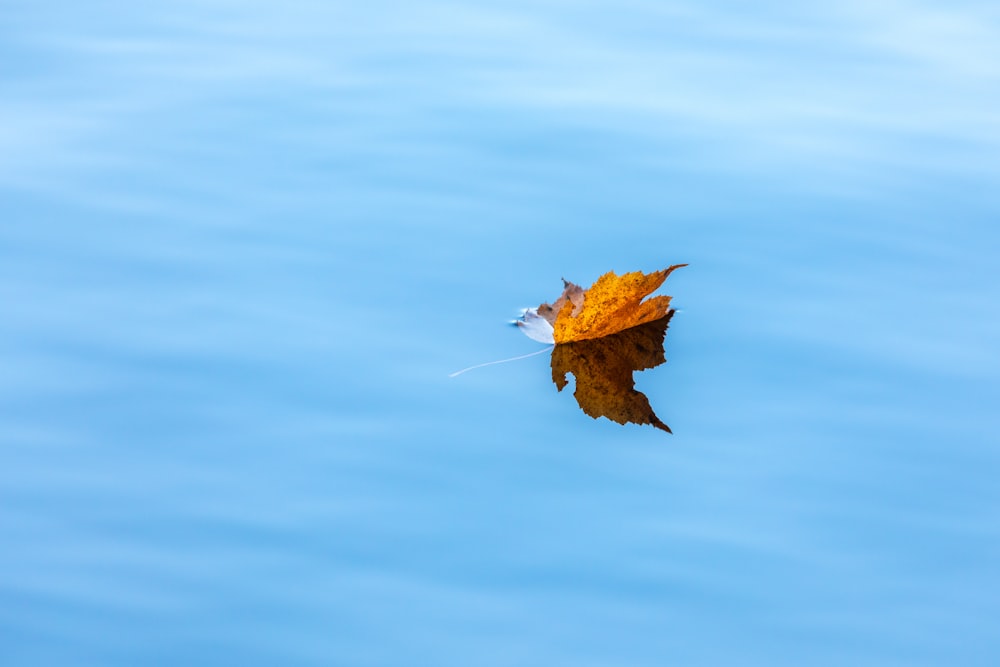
(612, 304)
(602, 335)
(603, 370)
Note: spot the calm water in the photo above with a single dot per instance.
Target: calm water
(242, 245)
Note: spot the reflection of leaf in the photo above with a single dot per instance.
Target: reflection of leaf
(614, 303)
(603, 370)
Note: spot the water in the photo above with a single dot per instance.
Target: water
(242, 247)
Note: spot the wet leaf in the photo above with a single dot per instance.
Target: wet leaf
(603, 368)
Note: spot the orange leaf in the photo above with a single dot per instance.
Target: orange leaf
(612, 304)
(601, 336)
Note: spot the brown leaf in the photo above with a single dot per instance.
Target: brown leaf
(603, 370)
(612, 304)
(603, 335)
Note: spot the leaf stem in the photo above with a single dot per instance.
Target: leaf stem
(501, 361)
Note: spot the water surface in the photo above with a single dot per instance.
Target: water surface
(242, 247)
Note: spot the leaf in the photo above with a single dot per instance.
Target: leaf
(602, 335)
(612, 304)
(603, 370)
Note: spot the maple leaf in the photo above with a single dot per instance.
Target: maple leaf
(612, 304)
(602, 335)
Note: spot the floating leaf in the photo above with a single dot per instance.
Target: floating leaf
(614, 303)
(602, 335)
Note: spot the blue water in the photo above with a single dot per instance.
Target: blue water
(242, 245)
